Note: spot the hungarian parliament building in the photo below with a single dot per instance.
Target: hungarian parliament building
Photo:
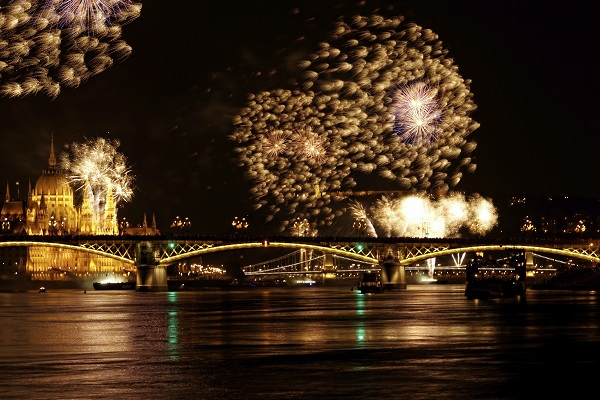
(51, 209)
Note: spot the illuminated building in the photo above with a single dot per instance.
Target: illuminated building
(51, 209)
(142, 230)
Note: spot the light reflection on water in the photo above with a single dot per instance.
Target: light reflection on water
(425, 342)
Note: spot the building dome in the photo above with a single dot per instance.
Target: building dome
(53, 182)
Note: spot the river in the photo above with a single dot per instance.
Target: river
(424, 342)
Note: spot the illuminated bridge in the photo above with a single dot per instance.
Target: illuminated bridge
(150, 255)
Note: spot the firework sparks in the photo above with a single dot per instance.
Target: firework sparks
(100, 172)
(359, 213)
(48, 45)
(274, 143)
(309, 145)
(483, 215)
(422, 216)
(89, 15)
(358, 93)
(416, 113)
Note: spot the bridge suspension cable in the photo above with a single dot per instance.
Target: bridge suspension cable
(274, 260)
(550, 258)
(308, 262)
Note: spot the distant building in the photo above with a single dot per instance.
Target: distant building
(545, 216)
(141, 230)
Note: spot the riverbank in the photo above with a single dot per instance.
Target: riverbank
(584, 279)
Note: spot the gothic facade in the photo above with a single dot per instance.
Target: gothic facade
(51, 209)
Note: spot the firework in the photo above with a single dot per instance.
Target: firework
(308, 145)
(416, 113)
(359, 213)
(379, 97)
(483, 215)
(47, 45)
(100, 172)
(87, 15)
(274, 143)
(423, 216)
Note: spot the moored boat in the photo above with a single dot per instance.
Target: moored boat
(114, 285)
(370, 283)
(493, 289)
(489, 280)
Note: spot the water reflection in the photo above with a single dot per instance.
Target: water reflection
(360, 326)
(419, 343)
(173, 326)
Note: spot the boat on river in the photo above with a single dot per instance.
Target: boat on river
(496, 279)
(370, 283)
(114, 285)
(494, 288)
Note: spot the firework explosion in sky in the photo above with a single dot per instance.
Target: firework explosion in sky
(98, 170)
(381, 97)
(46, 45)
(422, 216)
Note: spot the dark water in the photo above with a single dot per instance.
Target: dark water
(425, 342)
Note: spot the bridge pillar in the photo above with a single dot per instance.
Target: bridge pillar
(393, 274)
(329, 268)
(305, 256)
(529, 266)
(150, 276)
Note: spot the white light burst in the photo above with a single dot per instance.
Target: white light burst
(422, 216)
(416, 113)
(98, 170)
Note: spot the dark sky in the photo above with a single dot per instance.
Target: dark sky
(534, 78)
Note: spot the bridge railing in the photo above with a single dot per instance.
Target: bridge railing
(169, 246)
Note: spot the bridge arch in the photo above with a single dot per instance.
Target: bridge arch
(66, 246)
(542, 249)
(255, 245)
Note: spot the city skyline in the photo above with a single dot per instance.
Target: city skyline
(170, 103)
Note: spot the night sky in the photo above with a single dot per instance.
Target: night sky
(534, 78)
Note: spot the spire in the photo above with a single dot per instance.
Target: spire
(7, 198)
(52, 159)
(153, 223)
(43, 203)
(144, 224)
(29, 196)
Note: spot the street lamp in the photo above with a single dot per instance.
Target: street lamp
(52, 224)
(123, 225)
(301, 226)
(239, 224)
(183, 224)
